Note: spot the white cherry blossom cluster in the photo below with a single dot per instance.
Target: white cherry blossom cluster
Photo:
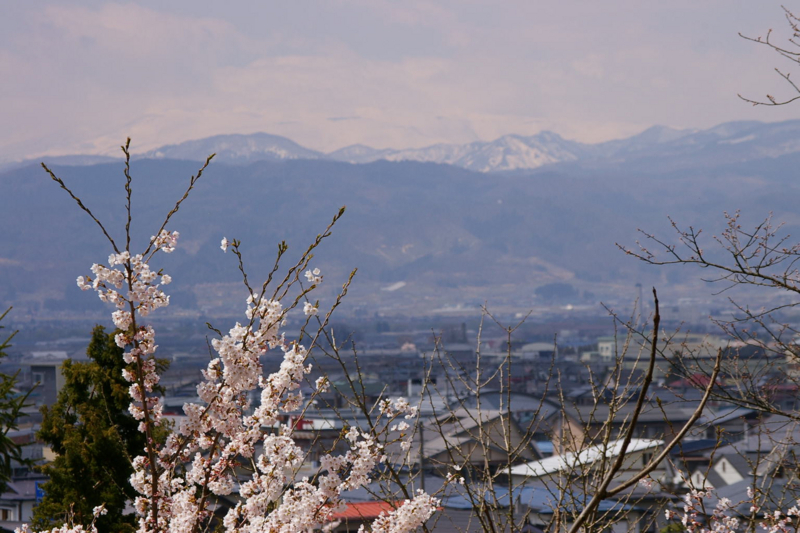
(310, 309)
(175, 481)
(455, 476)
(220, 428)
(304, 506)
(323, 384)
(781, 522)
(693, 517)
(165, 241)
(314, 276)
(393, 409)
(408, 517)
(133, 287)
(398, 407)
(133, 274)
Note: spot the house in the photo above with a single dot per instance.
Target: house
(470, 436)
(543, 507)
(724, 470)
(19, 499)
(769, 495)
(581, 425)
(685, 344)
(633, 351)
(537, 352)
(358, 514)
(45, 375)
(618, 516)
(24, 488)
(731, 424)
(533, 414)
(768, 451)
(573, 465)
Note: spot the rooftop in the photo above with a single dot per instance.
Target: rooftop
(571, 460)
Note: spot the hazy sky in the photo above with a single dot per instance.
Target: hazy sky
(80, 76)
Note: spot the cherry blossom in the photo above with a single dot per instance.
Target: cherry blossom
(177, 480)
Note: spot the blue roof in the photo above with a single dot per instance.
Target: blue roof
(545, 446)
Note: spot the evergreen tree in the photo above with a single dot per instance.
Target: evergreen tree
(11, 404)
(95, 439)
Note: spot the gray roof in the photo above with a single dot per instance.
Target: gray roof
(650, 413)
(711, 417)
(774, 493)
(571, 461)
(519, 402)
(714, 479)
(21, 490)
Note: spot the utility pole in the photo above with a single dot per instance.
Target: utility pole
(421, 432)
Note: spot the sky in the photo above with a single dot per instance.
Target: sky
(80, 76)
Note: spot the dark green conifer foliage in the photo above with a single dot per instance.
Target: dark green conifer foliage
(11, 404)
(95, 439)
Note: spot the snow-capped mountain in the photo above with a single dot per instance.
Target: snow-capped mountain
(659, 146)
(514, 152)
(733, 141)
(725, 144)
(236, 149)
(510, 152)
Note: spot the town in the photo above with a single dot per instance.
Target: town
(533, 424)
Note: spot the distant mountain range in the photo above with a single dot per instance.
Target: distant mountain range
(510, 152)
(424, 235)
(733, 141)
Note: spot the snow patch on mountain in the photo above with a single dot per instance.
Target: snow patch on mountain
(732, 141)
(237, 149)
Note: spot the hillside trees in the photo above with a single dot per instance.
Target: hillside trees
(95, 440)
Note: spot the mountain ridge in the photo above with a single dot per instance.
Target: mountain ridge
(515, 152)
(738, 140)
(451, 235)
